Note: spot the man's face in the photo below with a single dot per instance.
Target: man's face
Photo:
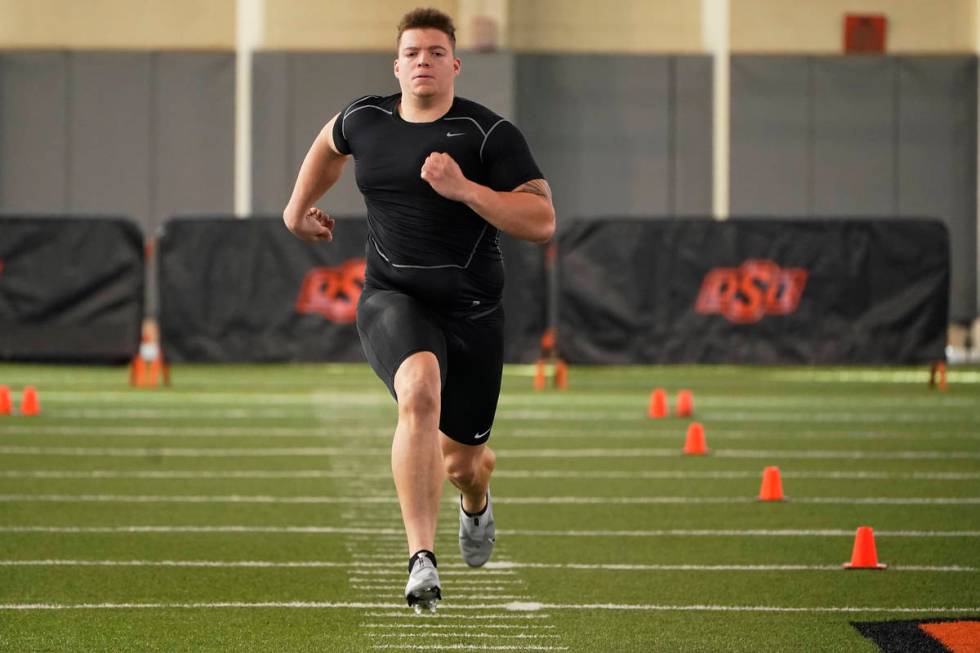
(425, 66)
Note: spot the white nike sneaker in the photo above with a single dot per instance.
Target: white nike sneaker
(476, 535)
(422, 591)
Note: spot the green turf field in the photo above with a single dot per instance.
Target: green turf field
(251, 508)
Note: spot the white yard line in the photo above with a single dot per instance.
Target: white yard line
(462, 579)
(265, 452)
(465, 647)
(487, 591)
(469, 635)
(616, 414)
(643, 430)
(368, 397)
(518, 607)
(376, 569)
(731, 533)
(191, 452)
(746, 568)
(520, 618)
(384, 499)
(99, 474)
(425, 626)
(330, 530)
(736, 608)
(135, 431)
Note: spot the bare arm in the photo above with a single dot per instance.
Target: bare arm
(525, 212)
(321, 169)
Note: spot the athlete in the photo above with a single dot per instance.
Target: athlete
(441, 177)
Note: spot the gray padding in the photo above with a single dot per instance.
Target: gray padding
(194, 115)
(320, 86)
(769, 149)
(111, 132)
(488, 78)
(272, 177)
(854, 137)
(34, 111)
(598, 127)
(692, 130)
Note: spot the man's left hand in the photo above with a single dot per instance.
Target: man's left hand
(445, 177)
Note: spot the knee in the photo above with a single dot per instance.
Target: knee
(419, 403)
(461, 471)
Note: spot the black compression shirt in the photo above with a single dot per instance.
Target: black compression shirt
(437, 249)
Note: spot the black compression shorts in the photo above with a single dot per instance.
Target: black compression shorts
(394, 325)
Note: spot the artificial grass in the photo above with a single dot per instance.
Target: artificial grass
(882, 433)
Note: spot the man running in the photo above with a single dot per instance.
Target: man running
(441, 176)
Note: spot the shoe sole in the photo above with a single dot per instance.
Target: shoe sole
(424, 599)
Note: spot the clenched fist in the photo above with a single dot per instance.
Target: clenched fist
(445, 177)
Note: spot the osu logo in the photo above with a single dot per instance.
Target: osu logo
(755, 288)
(333, 292)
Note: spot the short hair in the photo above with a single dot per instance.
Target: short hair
(427, 17)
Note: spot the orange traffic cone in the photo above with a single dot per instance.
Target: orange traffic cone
(539, 375)
(29, 404)
(658, 404)
(864, 555)
(154, 372)
(685, 403)
(5, 406)
(137, 372)
(695, 445)
(561, 375)
(772, 485)
(937, 375)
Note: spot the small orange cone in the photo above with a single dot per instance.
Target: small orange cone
(772, 485)
(685, 403)
(5, 406)
(561, 375)
(29, 405)
(658, 404)
(695, 445)
(539, 375)
(154, 372)
(937, 375)
(864, 555)
(137, 372)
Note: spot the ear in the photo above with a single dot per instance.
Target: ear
(396, 67)
(457, 66)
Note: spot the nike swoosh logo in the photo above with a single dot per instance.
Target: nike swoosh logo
(480, 435)
(451, 134)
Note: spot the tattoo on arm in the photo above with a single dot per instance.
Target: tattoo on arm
(535, 187)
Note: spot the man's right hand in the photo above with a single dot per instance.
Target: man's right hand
(312, 226)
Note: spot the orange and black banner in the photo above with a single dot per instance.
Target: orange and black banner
(71, 289)
(248, 290)
(757, 291)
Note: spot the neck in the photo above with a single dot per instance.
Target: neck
(425, 109)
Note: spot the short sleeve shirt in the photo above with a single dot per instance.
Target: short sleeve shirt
(411, 226)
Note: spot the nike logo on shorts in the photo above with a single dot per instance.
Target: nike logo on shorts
(480, 435)
(451, 134)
